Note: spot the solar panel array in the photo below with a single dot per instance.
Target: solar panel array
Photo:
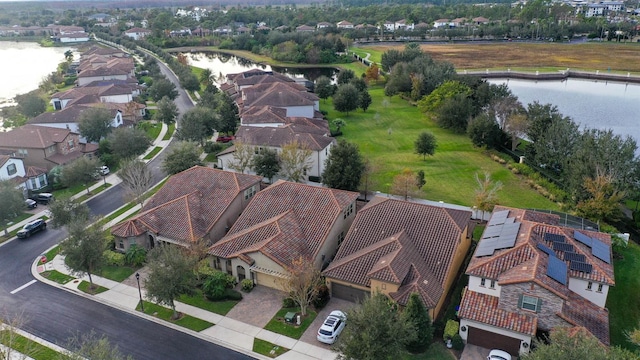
(546, 249)
(580, 266)
(501, 233)
(553, 237)
(557, 270)
(599, 249)
(571, 256)
(561, 246)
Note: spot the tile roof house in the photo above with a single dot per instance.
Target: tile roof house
(271, 116)
(398, 247)
(530, 274)
(114, 91)
(43, 146)
(344, 24)
(198, 203)
(255, 77)
(290, 96)
(69, 117)
(137, 33)
(305, 28)
(99, 68)
(29, 178)
(282, 223)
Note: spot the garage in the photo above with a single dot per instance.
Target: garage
(491, 340)
(348, 293)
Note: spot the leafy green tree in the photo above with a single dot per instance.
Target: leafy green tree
(603, 204)
(128, 142)
(416, 313)
(189, 81)
(436, 98)
(266, 164)
(344, 167)
(80, 172)
(324, 88)
(12, 202)
(338, 123)
(454, 113)
(484, 132)
(206, 77)
(345, 76)
(31, 104)
(197, 124)
(84, 248)
(346, 98)
(95, 123)
(376, 331)
(228, 113)
(364, 101)
(136, 178)
(68, 55)
(161, 88)
(65, 211)
(135, 255)
(216, 284)
(359, 83)
(425, 144)
(170, 275)
(167, 111)
(420, 181)
(295, 161)
(486, 193)
(181, 157)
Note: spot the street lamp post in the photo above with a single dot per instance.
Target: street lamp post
(140, 292)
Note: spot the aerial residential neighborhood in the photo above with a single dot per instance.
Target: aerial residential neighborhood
(332, 187)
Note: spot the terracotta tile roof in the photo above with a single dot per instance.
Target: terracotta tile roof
(33, 136)
(188, 205)
(285, 221)
(278, 95)
(70, 114)
(275, 115)
(35, 171)
(401, 242)
(581, 312)
(4, 159)
(63, 159)
(484, 308)
(312, 137)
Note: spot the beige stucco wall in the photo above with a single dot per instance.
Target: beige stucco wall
(330, 246)
(461, 252)
(230, 215)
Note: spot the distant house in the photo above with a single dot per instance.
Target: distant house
(530, 274)
(305, 28)
(324, 25)
(100, 68)
(458, 22)
(388, 26)
(253, 77)
(69, 34)
(198, 203)
(480, 20)
(344, 24)
(29, 178)
(44, 147)
(441, 23)
(109, 91)
(404, 25)
(137, 33)
(397, 248)
(69, 118)
(284, 222)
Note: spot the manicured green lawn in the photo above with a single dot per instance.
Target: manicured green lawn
(198, 300)
(437, 351)
(376, 54)
(84, 287)
(118, 212)
(265, 348)
(52, 253)
(622, 302)
(28, 347)
(278, 325)
(117, 273)
(211, 157)
(66, 193)
(153, 153)
(151, 128)
(385, 135)
(57, 276)
(186, 321)
(95, 191)
(170, 130)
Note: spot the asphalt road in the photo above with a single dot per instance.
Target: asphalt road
(57, 315)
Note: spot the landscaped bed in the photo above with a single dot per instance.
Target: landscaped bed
(184, 320)
(280, 326)
(221, 307)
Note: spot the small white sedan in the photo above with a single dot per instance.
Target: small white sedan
(332, 327)
(498, 355)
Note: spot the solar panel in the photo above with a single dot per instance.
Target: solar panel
(485, 250)
(582, 238)
(490, 232)
(509, 220)
(498, 218)
(580, 266)
(546, 249)
(562, 246)
(571, 256)
(557, 270)
(601, 251)
(553, 237)
(509, 230)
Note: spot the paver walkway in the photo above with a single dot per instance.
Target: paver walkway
(257, 307)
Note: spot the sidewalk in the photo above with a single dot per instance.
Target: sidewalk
(227, 332)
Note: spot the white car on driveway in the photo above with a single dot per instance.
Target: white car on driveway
(498, 355)
(332, 327)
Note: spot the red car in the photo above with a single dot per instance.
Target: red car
(224, 139)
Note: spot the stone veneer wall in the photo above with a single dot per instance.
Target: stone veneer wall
(547, 314)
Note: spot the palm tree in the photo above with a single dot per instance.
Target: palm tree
(68, 55)
(205, 77)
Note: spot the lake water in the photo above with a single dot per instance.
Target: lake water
(24, 64)
(592, 104)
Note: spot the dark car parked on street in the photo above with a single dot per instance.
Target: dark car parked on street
(43, 198)
(31, 228)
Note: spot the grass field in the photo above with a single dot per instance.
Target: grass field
(385, 135)
(544, 56)
(624, 314)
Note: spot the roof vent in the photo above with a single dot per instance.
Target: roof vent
(425, 282)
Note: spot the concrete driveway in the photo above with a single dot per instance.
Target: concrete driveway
(309, 335)
(258, 306)
(474, 352)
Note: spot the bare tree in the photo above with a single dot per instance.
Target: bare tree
(517, 125)
(367, 181)
(295, 161)
(242, 157)
(136, 178)
(405, 184)
(302, 283)
(12, 339)
(91, 346)
(486, 194)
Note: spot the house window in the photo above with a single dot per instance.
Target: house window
(530, 303)
(11, 169)
(483, 281)
(589, 285)
(23, 152)
(249, 192)
(121, 244)
(34, 185)
(599, 288)
(348, 211)
(229, 268)
(216, 263)
(42, 180)
(493, 284)
(340, 238)
(383, 286)
(71, 144)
